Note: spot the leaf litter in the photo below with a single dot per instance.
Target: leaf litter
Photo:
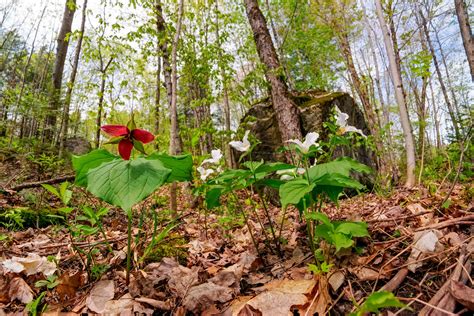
(221, 274)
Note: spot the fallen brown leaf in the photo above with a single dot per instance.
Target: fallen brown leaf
(203, 295)
(68, 284)
(463, 294)
(100, 294)
(20, 290)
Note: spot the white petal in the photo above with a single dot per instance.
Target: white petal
(301, 170)
(286, 177)
(310, 139)
(216, 155)
(341, 119)
(298, 143)
(353, 129)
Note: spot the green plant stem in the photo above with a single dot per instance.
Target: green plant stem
(129, 247)
(248, 225)
(267, 213)
(102, 231)
(254, 209)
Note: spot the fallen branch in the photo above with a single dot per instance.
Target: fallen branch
(395, 282)
(449, 222)
(439, 296)
(29, 185)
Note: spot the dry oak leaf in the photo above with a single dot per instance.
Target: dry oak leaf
(122, 306)
(68, 284)
(203, 295)
(279, 297)
(100, 294)
(367, 274)
(463, 294)
(182, 279)
(20, 290)
(31, 265)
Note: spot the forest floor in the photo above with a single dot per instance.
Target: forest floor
(418, 249)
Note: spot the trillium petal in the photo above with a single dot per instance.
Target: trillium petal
(216, 155)
(125, 148)
(243, 145)
(310, 139)
(354, 129)
(115, 130)
(143, 136)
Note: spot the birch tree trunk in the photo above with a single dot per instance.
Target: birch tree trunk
(287, 112)
(451, 111)
(61, 53)
(466, 33)
(175, 140)
(400, 97)
(72, 80)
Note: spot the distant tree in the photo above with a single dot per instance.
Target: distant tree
(466, 32)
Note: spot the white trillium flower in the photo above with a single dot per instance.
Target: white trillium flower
(288, 174)
(341, 121)
(243, 145)
(309, 141)
(204, 173)
(216, 156)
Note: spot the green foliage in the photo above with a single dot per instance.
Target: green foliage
(63, 193)
(338, 234)
(50, 282)
(34, 307)
(124, 183)
(82, 164)
(376, 301)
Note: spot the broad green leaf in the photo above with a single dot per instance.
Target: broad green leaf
(318, 216)
(51, 189)
(353, 229)
(293, 191)
(253, 165)
(272, 183)
(343, 166)
(340, 241)
(331, 191)
(325, 232)
(181, 166)
(376, 301)
(66, 194)
(213, 197)
(272, 167)
(82, 164)
(124, 183)
(338, 180)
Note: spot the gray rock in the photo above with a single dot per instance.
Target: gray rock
(316, 107)
(77, 145)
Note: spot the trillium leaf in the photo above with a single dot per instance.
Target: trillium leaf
(124, 183)
(181, 166)
(82, 164)
(354, 229)
(343, 166)
(341, 241)
(293, 191)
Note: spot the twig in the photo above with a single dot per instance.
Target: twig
(395, 282)
(28, 185)
(460, 220)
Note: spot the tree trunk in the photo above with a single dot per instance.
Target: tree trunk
(466, 33)
(175, 140)
(157, 99)
(287, 112)
(400, 97)
(451, 111)
(165, 54)
(72, 80)
(100, 108)
(61, 52)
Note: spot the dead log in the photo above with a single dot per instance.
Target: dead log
(29, 185)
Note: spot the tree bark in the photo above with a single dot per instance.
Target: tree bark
(157, 99)
(72, 80)
(175, 140)
(61, 52)
(400, 97)
(466, 33)
(286, 110)
(451, 111)
(100, 109)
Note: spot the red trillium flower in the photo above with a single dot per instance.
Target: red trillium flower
(127, 138)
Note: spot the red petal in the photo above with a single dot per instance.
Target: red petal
(142, 136)
(115, 130)
(125, 148)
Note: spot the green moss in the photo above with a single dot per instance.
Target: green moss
(171, 247)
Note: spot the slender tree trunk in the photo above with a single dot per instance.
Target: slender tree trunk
(286, 110)
(72, 80)
(435, 117)
(175, 140)
(157, 99)
(23, 81)
(100, 108)
(61, 52)
(227, 148)
(466, 33)
(451, 111)
(165, 54)
(400, 97)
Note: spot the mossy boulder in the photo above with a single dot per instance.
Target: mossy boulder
(316, 107)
